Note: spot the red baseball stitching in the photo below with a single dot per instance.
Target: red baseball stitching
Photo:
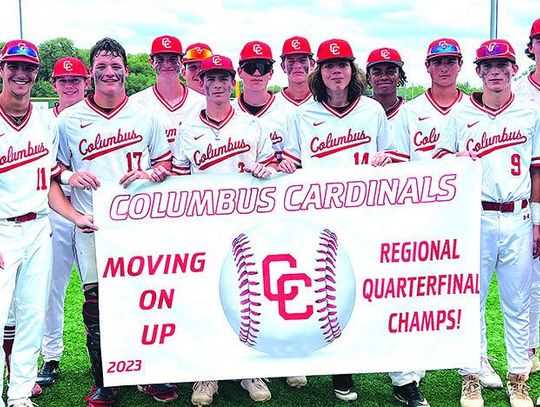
(246, 281)
(328, 247)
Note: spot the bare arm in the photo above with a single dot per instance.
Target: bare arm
(59, 203)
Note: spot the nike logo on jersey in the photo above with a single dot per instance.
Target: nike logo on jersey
(3, 134)
(421, 119)
(315, 124)
(198, 137)
(469, 125)
(85, 125)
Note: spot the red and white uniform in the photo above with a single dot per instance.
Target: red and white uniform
(506, 141)
(232, 146)
(320, 136)
(282, 97)
(273, 119)
(171, 116)
(527, 88)
(107, 145)
(422, 126)
(27, 161)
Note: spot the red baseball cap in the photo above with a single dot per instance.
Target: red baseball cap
(197, 52)
(334, 49)
(535, 29)
(386, 54)
(495, 49)
(443, 47)
(296, 45)
(69, 66)
(256, 50)
(20, 51)
(217, 63)
(166, 43)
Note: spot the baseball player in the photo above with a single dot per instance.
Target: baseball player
(108, 138)
(70, 81)
(28, 145)
(256, 69)
(528, 87)
(384, 73)
(169, 98)
(240, 146)
(297, 62)
(503, 133)
(338, 127)
(192, 59)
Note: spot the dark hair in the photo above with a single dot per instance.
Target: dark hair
(527, 52)
(109, 46)
(402, 76)
(355, 89)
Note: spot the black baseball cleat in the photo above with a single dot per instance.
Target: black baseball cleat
(48, 373)
(101, 396)
(344, 387)
(409, 394)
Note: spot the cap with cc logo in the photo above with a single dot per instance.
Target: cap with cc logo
(443, 47)
(495, 49)
(334, 49)
(296, 45)
(69, 66)
(217, 63)
(386, 54)
(197, 52)
(166, 43)
(256, 50)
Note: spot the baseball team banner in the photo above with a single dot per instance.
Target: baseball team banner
(334, 271)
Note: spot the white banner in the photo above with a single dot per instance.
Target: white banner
(336, 271)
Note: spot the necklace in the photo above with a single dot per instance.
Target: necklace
(210, 120)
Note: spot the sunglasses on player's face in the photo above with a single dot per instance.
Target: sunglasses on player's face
(251, 67)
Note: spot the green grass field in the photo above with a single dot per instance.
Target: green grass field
(441, 388)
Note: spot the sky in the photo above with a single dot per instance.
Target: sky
(226, 25)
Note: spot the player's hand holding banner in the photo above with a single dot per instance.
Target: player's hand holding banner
(328, 272)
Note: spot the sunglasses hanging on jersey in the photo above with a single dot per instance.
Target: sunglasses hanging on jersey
(251, 67)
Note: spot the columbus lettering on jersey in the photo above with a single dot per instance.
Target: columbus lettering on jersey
(426, 143)
(17, 158)
(331, 145)
(275, 137)
(215, 155)
(488, 144)
(101, 146)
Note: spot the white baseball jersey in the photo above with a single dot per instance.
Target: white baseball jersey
(506, 140)
(273, 119)
(232, 146)
(109, 145)
(282, 97)
(171, 116)
(27, 162)
(527, 87)
(397, 119)
(421, 128)
(320, 136)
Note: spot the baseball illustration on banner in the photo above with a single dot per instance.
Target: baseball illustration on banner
(287, 287)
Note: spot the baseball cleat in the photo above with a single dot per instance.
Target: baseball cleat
(344, 387)
(409, 394)
(489, 377)
(101, 396)
(296, 381)
(257, 389)
(203, 393)
(48, 373)
(471, 391)
(518, 390)
(36, 390)
(165, 392)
